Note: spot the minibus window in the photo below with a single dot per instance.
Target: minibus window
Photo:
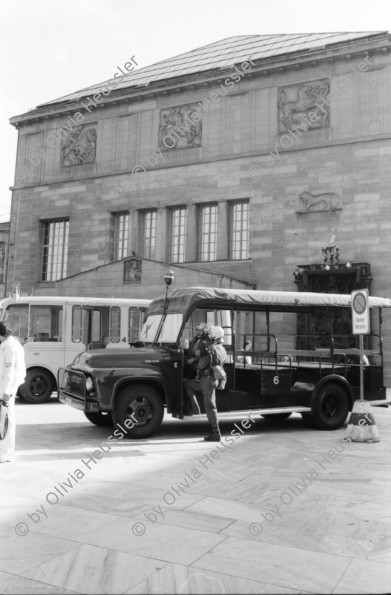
(135, 317)
(77, 324)
(115, 324)
(45, 323)
(17, 317)
(96, 326)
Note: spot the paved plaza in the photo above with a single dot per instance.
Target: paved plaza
(281, 508)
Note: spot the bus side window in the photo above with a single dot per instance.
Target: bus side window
(96, 331)
(77, 324)
(115, 324)
(17, 318)
(45, 323)
(136, 316)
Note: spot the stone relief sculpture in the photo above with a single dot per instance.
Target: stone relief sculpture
(79, 147)
(180, 127)
(132, 270)
(304, 106)
(326, 201)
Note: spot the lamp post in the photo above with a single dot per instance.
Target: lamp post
(168, 279)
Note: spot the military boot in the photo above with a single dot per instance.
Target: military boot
(215, 435)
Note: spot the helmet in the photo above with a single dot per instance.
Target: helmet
(216, 332)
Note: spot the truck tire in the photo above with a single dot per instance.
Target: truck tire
(99, 418)
(144, 404)
(330, 407)
(38, 386)
(275, 417)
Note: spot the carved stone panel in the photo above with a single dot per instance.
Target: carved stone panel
(132, 270)
(180, 127)
(79, 146)
(304, 106)
(325, 201)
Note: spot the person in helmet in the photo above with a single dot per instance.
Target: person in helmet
(194, 357)
(216, 356)
(196, 349)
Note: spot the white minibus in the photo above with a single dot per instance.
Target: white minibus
(53, 330)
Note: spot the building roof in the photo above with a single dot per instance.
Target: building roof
(224, 54)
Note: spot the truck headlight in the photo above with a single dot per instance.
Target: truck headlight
(89, 384)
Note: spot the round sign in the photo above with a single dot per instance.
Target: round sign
(359, 303)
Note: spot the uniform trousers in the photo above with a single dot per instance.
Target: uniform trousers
(7, 445)
(207, 385)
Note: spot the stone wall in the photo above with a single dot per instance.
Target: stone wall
(311, 168)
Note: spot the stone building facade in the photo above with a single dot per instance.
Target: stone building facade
(4, 242)
(262, 160)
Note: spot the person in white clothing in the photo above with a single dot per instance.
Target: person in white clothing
(12, 375)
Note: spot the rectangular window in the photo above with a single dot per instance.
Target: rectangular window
(115, 324)
(208, 232)
(177, 235)
(121, 235)
(18, 320)
(46, 323)
(2, 262)
(148, 234)
(55, 249)
(239, 227)
(87, 325)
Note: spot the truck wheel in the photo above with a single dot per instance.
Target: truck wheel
(277, 416)
(140, 403)
(38, 386)
(99, 418)
(330, 408)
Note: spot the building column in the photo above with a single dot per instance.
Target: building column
(191, 234)
(161, 234)
(222, 252)
(133, 232)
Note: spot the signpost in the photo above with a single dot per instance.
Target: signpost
(360, 326)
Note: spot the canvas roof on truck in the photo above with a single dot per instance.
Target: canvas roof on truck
(181, 300)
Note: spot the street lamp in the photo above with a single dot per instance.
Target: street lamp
(168, 279)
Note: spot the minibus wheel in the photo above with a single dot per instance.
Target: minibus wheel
(330, 407)
(38, 386)
(99, 418)
(138, 409)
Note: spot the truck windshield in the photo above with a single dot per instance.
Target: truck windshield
(170, 329)
(149, 329)
(168, 333)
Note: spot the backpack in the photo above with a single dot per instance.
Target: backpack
(220, 375)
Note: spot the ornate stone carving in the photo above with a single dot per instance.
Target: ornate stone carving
(79, 146)
(180, 127)
(304, 106)
(132, 270)
(325, 201)
(314, 330)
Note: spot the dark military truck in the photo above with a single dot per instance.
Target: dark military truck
(286, 352)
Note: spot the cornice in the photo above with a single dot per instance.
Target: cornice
(331, 54)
